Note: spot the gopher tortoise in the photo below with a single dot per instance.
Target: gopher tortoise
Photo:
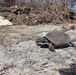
(55, 39)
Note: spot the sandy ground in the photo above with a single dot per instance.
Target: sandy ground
(19, 54)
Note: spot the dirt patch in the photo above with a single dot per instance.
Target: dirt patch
(20, 55)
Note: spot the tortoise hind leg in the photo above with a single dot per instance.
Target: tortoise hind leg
(74, 45)
(51, 47)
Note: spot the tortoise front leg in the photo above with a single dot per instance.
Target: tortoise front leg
(74, 45)
(51, 47)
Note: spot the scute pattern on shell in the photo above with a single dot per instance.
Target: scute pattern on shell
(58, 38)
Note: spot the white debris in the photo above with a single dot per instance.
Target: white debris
(4, 21)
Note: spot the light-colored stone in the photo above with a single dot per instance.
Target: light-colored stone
(4, 21)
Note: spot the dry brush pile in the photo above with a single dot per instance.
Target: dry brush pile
(34, 13)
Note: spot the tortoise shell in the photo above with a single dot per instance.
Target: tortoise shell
(57, 38)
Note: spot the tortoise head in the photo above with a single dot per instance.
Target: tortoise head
(41, 40)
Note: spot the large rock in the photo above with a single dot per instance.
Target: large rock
(4, 21)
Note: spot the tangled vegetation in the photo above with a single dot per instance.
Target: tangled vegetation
(34, 13)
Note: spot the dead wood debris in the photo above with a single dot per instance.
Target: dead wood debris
(39, 13)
